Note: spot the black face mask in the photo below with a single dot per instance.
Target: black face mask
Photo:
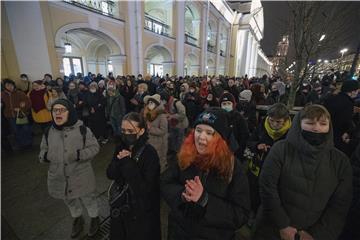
(129, 139)
(314, 138)
(275, 93)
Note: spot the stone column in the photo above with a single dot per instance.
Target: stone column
(60, 51)
(203, 45)
(248, 53)
(27, 26)
(132, 37)
(255, 58)
(217, 58)
(180, 37)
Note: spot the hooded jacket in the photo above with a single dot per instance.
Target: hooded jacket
(304, 186)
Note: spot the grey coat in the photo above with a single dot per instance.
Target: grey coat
(158, 136)
(70, 172)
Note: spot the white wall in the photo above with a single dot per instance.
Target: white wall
(27, 30)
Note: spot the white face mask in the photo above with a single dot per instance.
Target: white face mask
(92, 90)
(227, 108)
(151, 106)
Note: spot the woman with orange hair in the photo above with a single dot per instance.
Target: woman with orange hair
(206, 189)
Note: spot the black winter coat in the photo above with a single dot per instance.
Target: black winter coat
(143, 178)
(248, 111)
(304, 186)
(240, 131)
(352, 230)
(341, 110)
(226, 210)
(96, 120)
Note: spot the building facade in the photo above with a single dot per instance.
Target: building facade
(131, 37)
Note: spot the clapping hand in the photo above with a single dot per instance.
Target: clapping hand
(193, 190)
(123, 153)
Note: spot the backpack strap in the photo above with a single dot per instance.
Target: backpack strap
(175, 107)
(46, 134)
(83, 131)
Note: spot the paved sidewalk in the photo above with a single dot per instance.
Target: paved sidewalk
(28, 212)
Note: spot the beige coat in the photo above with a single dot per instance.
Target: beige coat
(158, 136)
(70, 172)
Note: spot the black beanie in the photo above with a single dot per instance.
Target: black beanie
(349, 86)
(227, 97)
(216, 118)
(72, 118)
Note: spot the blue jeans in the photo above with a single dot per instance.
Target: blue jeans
(23, 133)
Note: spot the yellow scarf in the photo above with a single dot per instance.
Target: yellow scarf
(276, 134)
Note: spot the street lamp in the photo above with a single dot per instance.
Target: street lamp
(342, 51)
(326, 61)
(322, 37)
(319, 60)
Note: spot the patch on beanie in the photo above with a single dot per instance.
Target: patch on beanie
(207, 117)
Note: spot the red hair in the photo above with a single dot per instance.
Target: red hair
(218, 158)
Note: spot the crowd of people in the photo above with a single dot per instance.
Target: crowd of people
(201, 144)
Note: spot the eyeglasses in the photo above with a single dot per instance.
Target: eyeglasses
(59, 110)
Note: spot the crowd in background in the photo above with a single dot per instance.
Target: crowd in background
(170, 106)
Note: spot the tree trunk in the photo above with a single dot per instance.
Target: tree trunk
(294, 86)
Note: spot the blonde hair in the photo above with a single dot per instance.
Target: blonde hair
(143, 86)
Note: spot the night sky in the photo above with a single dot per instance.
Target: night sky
(277, 13)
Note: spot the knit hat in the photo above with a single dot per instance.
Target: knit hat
(216, 118)
(164, 94)
(246, 95)
(93, 84)
(9, 81)
(101, 82)
(72, 118)
(349, 86)
(154, 98)
(227, 97)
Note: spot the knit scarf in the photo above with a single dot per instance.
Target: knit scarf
(276, 134)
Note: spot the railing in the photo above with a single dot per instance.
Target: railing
(211, 48)
(190, 40)
(156, 26)
(104, 7)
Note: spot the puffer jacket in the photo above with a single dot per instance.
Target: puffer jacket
(70, 172)
(304, 186)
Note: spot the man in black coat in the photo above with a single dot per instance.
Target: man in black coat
(341, 108)
(238, 123)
